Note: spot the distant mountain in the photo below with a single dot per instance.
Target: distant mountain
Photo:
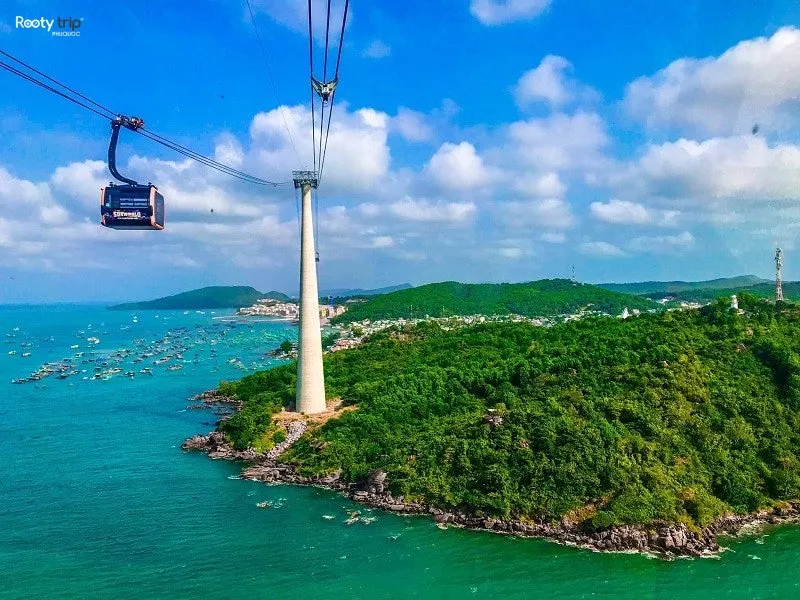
(233, 296)
(349, 292)
(672, 287)
(791, 291)
(536, 298)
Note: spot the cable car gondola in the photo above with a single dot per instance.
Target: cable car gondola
(132, 206)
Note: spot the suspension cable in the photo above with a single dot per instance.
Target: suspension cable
(327, 31)
(108, 114)
(324, 147)
(324, 80)
(16, 71)
(316, 231)
(272, 81)
(327, 133)
(206, 161)
(29, 67)
(341, 37)
(311, 72)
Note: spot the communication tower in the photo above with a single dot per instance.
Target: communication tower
(778, 275)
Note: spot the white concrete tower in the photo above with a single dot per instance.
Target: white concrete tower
(310, 377)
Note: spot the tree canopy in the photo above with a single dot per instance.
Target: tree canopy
(681, 416)
(538, 298)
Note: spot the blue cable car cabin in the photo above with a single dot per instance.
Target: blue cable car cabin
(132, 207)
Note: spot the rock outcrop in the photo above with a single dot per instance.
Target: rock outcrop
(294, 430)
(216, 446)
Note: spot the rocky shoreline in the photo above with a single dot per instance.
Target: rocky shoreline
(666, 540)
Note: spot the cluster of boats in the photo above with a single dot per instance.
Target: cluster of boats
(178, 347)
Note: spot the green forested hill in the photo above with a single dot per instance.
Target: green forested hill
(343, 293)
(791, 291)
(537, 298)
(234, 296)
(681, 416)
(673, 287)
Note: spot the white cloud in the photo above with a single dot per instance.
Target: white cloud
(549, 83)
(743, 169)
(662, 244)
(377, 49)
(5, 233)
(621, 212)
(457, 167)
(358, 153)
(229, 151)
(755, 82)
(410, 209)
(600, 249)
(551, 213)
(206, 199)
(542, 186)
(553, 238)
(559, 141)
(511, 252)
(498, 12)
(382, 241)
(411, 125)
(180, 260)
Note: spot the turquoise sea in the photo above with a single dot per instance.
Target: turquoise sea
(98, 501)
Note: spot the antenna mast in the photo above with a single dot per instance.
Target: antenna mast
(779, 275)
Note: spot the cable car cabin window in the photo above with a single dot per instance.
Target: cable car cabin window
(132, 207)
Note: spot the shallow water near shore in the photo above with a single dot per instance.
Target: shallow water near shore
(98, 501)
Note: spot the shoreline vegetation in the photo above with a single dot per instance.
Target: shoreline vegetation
(662, 539)
(654, 434)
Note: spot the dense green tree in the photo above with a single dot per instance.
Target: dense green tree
(537, 298)
(682, 416)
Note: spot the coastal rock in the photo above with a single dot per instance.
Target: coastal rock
(376, 481)
(216, 446)
(197, 442)
(294, 431)
(332, 478)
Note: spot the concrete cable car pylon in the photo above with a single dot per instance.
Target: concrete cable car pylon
(310, 375)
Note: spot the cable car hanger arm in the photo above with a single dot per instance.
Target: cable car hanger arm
(134, 123)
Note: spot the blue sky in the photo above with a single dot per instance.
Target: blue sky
(476, 140)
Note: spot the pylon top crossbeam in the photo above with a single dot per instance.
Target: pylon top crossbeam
(302, 178)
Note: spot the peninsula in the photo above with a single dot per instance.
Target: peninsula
(204, 298)
(652, 433)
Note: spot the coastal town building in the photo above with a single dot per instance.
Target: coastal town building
(286, 310)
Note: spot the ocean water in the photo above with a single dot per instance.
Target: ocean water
(98, 501)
